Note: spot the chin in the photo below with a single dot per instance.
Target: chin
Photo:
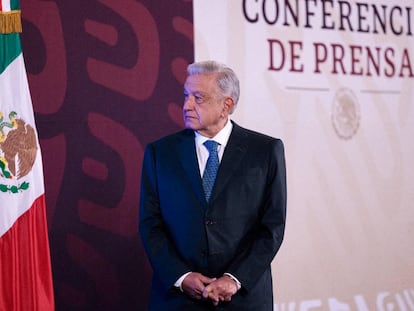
(190, 125)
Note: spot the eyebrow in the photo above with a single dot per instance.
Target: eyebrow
(196, 92)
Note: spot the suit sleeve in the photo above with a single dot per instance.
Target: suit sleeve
(265, 241)
(166, 263)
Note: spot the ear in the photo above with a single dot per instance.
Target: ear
(228, 106)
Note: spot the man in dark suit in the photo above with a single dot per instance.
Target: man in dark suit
(211, 249)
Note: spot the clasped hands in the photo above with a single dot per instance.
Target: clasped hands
(198, 286)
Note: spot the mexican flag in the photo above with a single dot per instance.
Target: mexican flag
(25, 268)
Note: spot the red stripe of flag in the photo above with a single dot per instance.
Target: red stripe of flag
(26, 281)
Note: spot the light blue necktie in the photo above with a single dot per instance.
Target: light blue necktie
(212, 165)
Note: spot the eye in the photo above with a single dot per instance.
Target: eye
(199, 98)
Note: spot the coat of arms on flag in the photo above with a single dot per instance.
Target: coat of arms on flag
(18, 147)
(25, 265)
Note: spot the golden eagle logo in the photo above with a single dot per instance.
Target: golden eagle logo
(346, 113)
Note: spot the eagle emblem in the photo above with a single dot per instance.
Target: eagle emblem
(346, 113)
(18, 150)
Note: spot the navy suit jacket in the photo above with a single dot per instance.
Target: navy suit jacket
(239, 231)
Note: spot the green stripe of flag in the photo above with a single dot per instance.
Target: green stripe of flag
(15, 4)
(10, 48)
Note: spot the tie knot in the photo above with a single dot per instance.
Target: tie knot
(211, 145)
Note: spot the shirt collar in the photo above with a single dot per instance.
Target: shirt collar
(221, 137)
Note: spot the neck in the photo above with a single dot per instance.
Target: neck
(210, 133)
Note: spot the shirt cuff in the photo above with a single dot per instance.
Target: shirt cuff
(179, 282)
(231, 276)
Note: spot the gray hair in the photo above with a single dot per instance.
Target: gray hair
(227, 80)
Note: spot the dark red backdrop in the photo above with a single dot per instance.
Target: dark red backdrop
(106, 78)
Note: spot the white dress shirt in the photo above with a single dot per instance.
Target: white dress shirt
(221, 137)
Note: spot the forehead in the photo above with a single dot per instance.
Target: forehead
(201, 83)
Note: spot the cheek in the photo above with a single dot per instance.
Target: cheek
(199, 113)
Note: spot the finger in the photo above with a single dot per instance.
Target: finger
(209, 293)
(207, 280)
(208, 289)
(215, 302)
(214, 297)
(226, 298)
(205, 293)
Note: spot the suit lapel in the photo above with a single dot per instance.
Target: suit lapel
(233, 154)
(188, 158)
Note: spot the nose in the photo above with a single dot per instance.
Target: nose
(188, 102)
